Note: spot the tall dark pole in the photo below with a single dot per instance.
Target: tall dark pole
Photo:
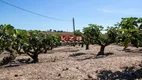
(73, 26)
(74, 30)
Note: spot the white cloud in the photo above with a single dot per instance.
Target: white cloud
(129, 11)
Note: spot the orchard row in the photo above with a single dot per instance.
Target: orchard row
(34, 42)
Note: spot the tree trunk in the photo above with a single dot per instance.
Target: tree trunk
(82, 45)
(51, 47)
(74, 44)
(7, 59)
(46, 50)
(124, 48)
(78, 44)
(101, 52)
(35, 58)
(56, 45)
(87, 46)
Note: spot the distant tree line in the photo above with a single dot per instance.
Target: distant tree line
(50, 30)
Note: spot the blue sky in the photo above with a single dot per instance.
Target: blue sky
(101, 12)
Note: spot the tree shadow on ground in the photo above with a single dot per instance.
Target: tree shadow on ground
(70, 50)
(94, 56)
(127, 50)
(26, 60)
(60, 50)
(140, 50)
(17, 62)
(128, 73)
(91, 57)
(76, 54)
(11, 65)
(73, 50)
(132, 51)
(105, 55)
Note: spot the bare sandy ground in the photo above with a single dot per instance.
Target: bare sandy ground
(73, 63)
